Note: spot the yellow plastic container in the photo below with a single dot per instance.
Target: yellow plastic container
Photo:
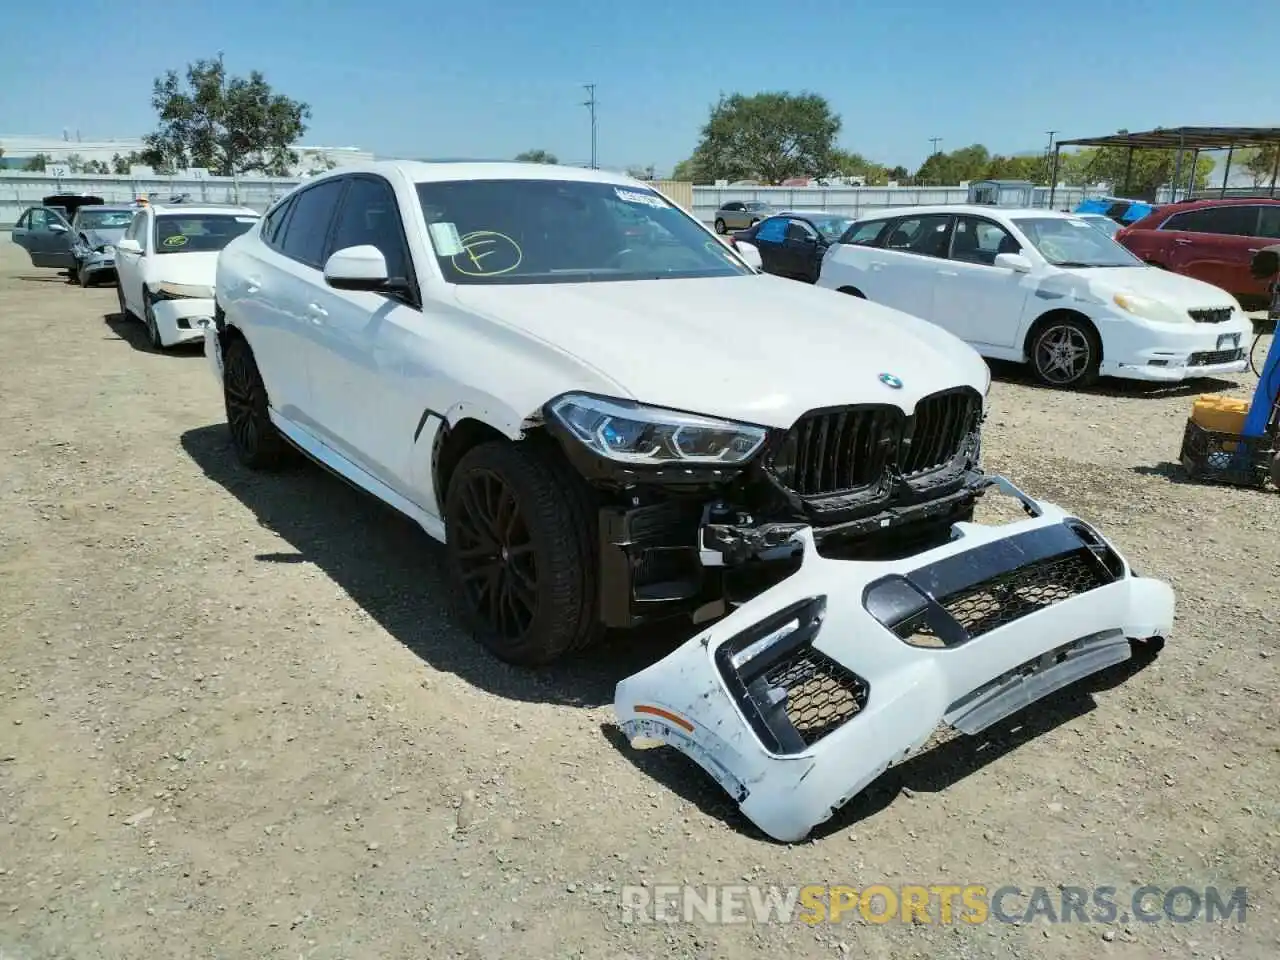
(1220, 414)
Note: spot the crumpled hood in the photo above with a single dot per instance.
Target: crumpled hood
(100, 237)
(1175, 290)
(758, 349)
(193, 269)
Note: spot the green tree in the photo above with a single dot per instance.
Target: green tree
(898, 174)
(945, 169)
(642, 173)
(769, 137)
(75, 162)
(1261, 164)
(38, 163)
(536, 156)
(226, 124)
(95, 166)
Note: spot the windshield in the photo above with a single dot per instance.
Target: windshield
(563, 231)
(757, 205)
(1073, 242)
(832, 228)
(1105, 224)
(105, 219)
(199, 232)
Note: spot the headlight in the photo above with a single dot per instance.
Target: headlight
(632, 433)
(1148, 309)
(186, 291)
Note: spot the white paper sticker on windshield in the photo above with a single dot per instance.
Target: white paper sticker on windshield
(1079, 223)
(246, 219)
(640, 196)
(446, 240)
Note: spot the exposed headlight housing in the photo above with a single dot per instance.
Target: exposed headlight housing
(185, 291)
(633, 433)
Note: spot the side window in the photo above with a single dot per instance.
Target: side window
(371, 216)
(1269, 222)
(799, 230)
(1239, 221)
(978, 241)
(40, 219)
(865, 234)
(308, 227)
(773, 230)
(23, 221)
(137, 229)
(273, 222)
(926, 235)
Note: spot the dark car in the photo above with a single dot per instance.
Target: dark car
(792, 244)
(1211, 240)
(97, 230)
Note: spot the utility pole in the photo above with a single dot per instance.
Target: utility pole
(935, 141)
(1048, 159)
(590, 104)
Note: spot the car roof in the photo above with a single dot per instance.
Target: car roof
(203, 209)
(803, 214)
(977, 209)
(1181, 205)
(425, 171)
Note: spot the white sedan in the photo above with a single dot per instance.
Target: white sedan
(166, 265)
(1041, 287)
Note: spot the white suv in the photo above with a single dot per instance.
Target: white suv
(611, 419)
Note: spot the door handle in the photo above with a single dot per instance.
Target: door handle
(948, 273)
(252, 285)
(1255, 249)
(876, 266)
(1181, 241)
(317, 313)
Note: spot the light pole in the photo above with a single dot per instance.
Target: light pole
(590, 104)
(935, 141)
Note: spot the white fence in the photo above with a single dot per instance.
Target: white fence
(19, 190)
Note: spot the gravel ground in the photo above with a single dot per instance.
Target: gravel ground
(235, 720)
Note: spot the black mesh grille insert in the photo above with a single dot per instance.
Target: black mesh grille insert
(821, 695)
(1011, 596)
(938, 430)
(1210, 357)
(1211, 315)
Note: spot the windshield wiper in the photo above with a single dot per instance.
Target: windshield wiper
(1080, 264)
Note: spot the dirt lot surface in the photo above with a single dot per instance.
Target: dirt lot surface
(236, 721)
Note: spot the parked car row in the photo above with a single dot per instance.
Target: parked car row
(163, 257)
(610, 419)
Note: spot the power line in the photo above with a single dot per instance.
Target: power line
(590, 104)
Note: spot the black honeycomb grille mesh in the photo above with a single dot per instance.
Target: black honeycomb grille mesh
(821, 694)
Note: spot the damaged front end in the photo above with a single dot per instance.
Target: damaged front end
(811, 689)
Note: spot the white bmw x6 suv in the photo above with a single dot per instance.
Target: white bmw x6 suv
(609, 418)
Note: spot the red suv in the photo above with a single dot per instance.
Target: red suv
(1211, 240)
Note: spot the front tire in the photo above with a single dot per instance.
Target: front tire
(520, 552)
(720, 227)
(1066, 353)
(124, 309)
(153, 328)
(257, 442)
(83, 278)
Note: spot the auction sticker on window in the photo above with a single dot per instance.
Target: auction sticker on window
(641, 196)
(446, 240)
(177, 240)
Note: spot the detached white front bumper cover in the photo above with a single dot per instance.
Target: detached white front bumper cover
(803, 696)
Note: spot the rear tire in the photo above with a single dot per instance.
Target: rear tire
(720, 227)
(854, 292)
(257, 442)
(520, 552)
(1066, 353)
(1275, 470)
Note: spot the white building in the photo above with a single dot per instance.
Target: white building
(19, 149)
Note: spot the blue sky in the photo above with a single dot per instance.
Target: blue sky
(489, 79)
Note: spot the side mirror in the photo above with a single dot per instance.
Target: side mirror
(357, 268)
(129, 245)
(1013, 261)
(57, 228)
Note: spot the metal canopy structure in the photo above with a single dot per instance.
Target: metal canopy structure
(1181, 139)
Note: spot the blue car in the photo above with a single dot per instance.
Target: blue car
(1119, 210)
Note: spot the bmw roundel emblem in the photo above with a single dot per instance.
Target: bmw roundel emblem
(889, 380)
